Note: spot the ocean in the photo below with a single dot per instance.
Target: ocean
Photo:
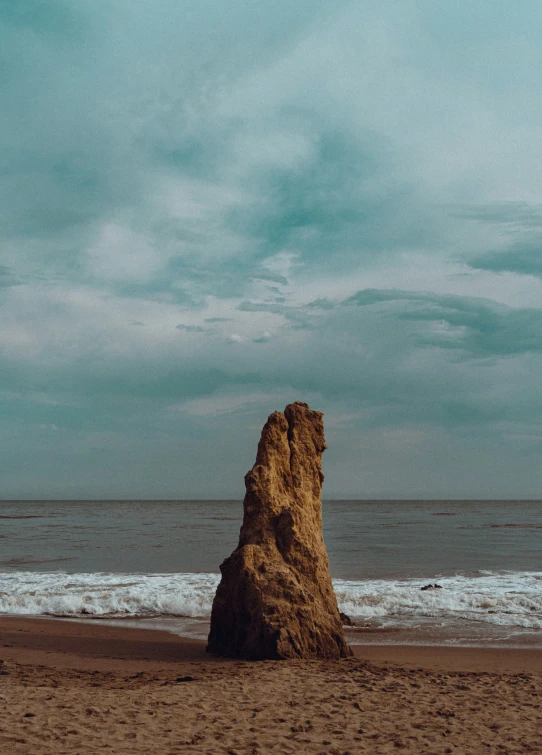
(156, 564)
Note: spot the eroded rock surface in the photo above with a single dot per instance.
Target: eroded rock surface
(276, 599)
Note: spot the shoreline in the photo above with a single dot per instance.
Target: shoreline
(91, 644)
(197, 628)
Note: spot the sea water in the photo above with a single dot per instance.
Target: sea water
(155, 563)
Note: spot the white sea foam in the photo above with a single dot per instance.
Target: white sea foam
(107, 594)
(506, 599)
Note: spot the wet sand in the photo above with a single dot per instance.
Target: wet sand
(85, 688)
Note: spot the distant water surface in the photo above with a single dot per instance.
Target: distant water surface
(160, 559)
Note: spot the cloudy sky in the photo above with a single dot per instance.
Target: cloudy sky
(211, 209)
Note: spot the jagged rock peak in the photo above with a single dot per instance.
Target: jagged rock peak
(276, 599)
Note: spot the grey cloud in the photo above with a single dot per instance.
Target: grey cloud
(521, 258)
(191, 328)
(268, 275)
(296, 317)
(321, 304)
(8, 277)
(520, 224)
(520, 215)
(480, 328)
(250, 306)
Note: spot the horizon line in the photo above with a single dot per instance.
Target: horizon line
(236, 500)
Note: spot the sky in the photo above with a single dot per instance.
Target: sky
(209, 210)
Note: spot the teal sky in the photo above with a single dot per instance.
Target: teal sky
(209, 210)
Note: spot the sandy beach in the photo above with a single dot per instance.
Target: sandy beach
(69, 687)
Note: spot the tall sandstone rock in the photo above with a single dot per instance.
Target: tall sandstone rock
(276, 599)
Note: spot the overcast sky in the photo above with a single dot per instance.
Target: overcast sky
(211, 209)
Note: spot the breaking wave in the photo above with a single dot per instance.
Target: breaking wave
(512, 599)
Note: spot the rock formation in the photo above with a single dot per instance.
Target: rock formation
(276, 599)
